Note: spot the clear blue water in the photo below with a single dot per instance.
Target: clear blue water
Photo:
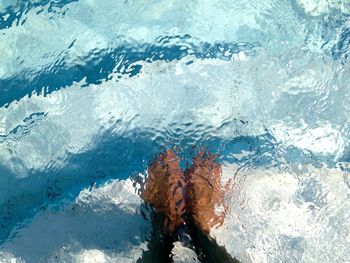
(92, 90)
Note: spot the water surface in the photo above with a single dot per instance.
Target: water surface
(92, 90)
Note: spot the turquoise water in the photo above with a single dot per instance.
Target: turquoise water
(92, 90)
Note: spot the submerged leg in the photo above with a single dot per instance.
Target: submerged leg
(207, 208)
(165, 192)
(159, 244)
(190, 204)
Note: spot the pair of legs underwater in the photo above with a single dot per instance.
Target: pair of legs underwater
(187, 205)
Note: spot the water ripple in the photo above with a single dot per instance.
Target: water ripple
(92, 90)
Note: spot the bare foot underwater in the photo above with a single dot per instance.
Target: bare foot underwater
(187, 205)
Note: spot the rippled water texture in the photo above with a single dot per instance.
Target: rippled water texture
(92, 90)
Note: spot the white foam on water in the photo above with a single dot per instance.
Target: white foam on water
(317, 7)
(299, 215)
(182, 254)
(102, 225)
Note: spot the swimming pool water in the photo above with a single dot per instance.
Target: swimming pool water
(91, 91)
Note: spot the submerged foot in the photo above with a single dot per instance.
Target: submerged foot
(191, 203)
(165, 189)
(205, 194)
